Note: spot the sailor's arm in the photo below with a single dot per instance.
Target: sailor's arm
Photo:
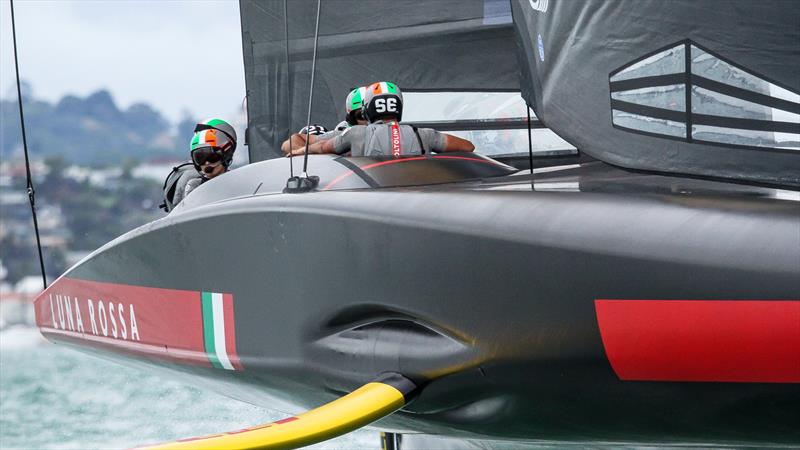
(443, 142)
(334, 143)
(190, 186)
(287, 144)
(295, 141)
(319, 147)
(457, 144)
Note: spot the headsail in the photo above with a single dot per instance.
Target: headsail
(443, 45)
(682, 86)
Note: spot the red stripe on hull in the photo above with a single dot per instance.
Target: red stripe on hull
(141, 320)
(749, 341)
(149, 351)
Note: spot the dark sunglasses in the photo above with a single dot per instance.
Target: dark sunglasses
(205, 155)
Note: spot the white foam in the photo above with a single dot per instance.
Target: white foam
(20, 337)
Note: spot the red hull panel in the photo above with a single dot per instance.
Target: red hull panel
(702, 340)
(152, 322)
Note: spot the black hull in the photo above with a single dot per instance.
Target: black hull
(486, 293)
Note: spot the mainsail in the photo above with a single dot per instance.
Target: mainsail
(678, 87)
(681, 86)
(439, 46)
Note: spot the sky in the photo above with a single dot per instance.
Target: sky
(176, 55)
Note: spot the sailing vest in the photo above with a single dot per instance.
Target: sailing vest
(175, 185)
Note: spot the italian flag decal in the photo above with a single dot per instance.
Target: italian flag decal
(219, 332)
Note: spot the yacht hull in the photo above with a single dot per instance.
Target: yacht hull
(564, 313)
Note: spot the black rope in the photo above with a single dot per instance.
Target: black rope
(530, 142)
(289, 82)
(31, 191)
(311, 91)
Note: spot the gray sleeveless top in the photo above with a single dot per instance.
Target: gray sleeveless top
(378, 139)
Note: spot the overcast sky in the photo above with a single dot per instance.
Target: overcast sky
(175, 55)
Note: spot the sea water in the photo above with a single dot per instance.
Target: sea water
(53, 397)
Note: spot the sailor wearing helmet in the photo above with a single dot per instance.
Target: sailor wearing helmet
(212, 148)
(385, 135)
(316, 133)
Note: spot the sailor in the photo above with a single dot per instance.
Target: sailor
(211, 149)
(298, 139)
(353, 116)
(353, 106)
(385, 135)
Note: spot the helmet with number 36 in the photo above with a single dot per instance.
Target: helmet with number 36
(383, 101)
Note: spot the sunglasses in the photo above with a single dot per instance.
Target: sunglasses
(205, 155)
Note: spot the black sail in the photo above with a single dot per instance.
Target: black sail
(442, 45)
(702, 88)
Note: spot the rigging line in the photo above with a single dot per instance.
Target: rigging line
(31, 191)
(311, 91)
(530, 142)
(289, 82)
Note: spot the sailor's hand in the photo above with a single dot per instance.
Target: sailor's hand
(298, 152)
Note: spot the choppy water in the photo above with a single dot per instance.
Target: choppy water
(53, 397)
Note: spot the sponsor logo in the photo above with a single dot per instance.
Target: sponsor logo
(648, 98)
(179, 325)
(539, 5)
(105, 318)
(396, 143)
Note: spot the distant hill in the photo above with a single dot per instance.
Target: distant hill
(91, 130)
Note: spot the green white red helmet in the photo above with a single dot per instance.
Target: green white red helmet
(383, 101)
(353, 104)
(213, 139)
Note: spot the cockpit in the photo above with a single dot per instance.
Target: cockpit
(507, 137)
(343, 173)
